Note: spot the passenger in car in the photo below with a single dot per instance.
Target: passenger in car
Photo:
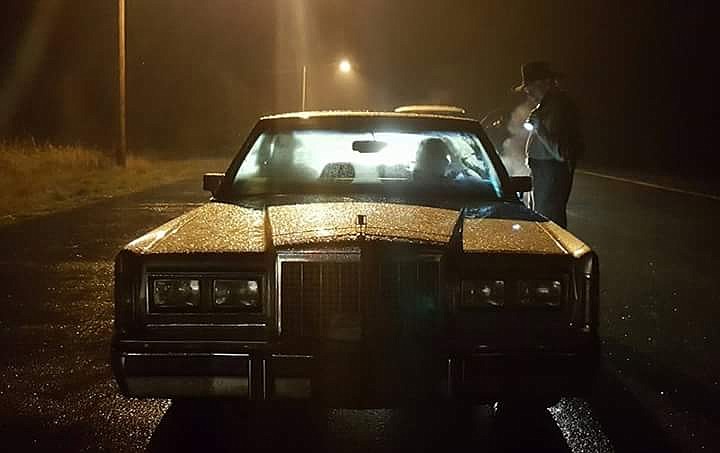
(282, 160)
(432, 160)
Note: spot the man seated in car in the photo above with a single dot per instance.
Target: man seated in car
(283, 162)
(431, 161)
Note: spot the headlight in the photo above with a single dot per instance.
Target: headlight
(547, 293)
(176, 293)
(483, 293)
(237, 295)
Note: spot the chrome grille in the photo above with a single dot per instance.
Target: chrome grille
(319, 296)
(350, 300)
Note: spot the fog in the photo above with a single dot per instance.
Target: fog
(513, 148)
(200, 73)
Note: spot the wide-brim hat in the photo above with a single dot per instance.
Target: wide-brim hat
(534, 71)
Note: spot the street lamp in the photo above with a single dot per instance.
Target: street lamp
(344, 67)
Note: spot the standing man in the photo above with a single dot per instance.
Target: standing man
(555, 141)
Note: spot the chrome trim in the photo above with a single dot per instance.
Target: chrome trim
(588, 298)
(264, 379)
(576, 298)
(511, 354)
(342, 255)
(308, 256)
(291, 356)
(148, 342)
(334, 255)
(436, 257)
(250, 379)
(263, 324)
(185, 354)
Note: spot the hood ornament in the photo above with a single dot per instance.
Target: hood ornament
(360, 226)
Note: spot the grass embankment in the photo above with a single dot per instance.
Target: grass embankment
(40, 179)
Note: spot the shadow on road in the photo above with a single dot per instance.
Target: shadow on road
(223, 426)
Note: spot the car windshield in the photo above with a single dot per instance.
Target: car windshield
(329, 161)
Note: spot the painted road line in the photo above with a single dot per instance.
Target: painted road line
(651, 185)
(159, 207)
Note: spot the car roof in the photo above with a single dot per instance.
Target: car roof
(365, 114)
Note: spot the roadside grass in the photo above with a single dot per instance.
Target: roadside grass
(39, 179)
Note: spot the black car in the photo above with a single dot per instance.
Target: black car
(358, 260)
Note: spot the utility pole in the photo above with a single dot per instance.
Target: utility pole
(304, 87)
(121, 155)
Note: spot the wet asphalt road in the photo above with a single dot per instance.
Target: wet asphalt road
(657, 392)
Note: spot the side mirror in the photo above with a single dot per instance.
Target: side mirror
(212, 181)
(521, 184)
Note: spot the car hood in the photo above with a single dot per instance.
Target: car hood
(229, 228)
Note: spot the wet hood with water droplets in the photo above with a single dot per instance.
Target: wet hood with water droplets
(493, 227)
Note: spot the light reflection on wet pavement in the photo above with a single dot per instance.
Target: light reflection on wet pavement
(660, 300)
(225, 427)
(56, 391)
(56, 387)
(581, 430)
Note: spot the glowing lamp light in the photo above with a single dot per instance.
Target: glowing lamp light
(345, 66)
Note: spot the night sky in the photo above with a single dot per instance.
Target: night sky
(200, 72)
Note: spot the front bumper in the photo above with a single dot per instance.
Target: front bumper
(357, 378)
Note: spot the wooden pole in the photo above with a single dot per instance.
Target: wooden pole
(121, 155)
(304, 87)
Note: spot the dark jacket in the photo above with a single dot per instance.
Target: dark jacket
(557, 133)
